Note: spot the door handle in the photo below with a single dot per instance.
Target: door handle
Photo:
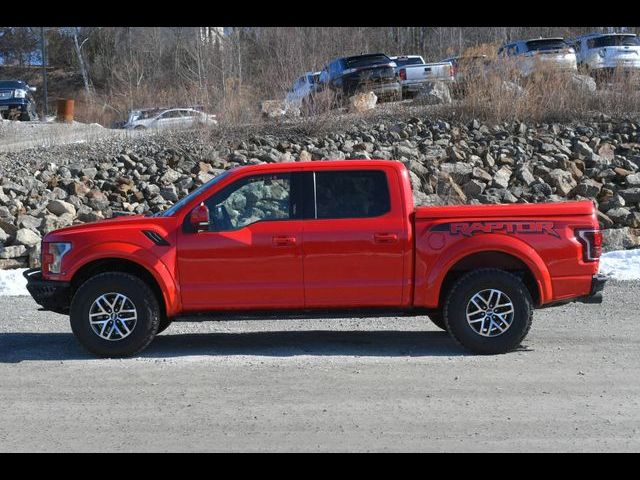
(385, 237)
(284, 241)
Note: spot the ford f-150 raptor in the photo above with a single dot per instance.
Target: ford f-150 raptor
(334, 238)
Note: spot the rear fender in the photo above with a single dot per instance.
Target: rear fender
(435, 265)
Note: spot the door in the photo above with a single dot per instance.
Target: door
(251, 256)
(354, 239)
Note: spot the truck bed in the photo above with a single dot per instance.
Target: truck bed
(552, 209)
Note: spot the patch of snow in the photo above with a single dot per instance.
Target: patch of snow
(621, 264)
(12, 283)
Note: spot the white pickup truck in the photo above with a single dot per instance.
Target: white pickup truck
(414, 73)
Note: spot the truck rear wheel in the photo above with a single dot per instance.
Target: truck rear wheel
(488, 311)
(114, 314)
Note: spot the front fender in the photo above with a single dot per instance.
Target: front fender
(133, 253)
(433, 266)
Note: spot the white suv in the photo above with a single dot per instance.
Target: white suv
(301, 89)
(540, 53)
(606, 51)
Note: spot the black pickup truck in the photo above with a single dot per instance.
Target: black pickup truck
(349, 75)
(16, 100)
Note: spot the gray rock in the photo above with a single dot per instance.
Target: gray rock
(27, 237)
(13, 251)
(473, 188)
(620, 239)
(58, 207)
(502, 177)
(562, 180)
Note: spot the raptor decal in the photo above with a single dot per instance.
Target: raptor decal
(469, 229)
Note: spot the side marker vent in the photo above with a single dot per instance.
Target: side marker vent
(156, 238)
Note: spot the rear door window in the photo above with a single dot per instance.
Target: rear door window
(351, 194)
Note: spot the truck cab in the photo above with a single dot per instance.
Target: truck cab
(319, 238)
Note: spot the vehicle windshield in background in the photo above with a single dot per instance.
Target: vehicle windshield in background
(542, 45)
(366, 60)
(614, 41)
(403, 62)
(178, 205)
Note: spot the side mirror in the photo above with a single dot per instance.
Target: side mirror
(199, 218)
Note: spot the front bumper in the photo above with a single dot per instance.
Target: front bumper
(49, 294)
(597, 286)
(9, 109)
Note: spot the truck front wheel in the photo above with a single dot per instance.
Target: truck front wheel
(437, 320)
(488, 311)
(114, 314)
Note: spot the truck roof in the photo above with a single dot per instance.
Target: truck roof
(12, 84)
(321, 165)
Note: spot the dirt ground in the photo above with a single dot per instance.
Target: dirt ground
(382, 384)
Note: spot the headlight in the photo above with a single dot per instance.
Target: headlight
(53, 254)
(19, 93)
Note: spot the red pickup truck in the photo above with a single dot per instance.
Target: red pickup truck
(335, 238)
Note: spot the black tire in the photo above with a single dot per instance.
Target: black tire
(455, 311)
(438, 320)
(163, 325)
(143, 299)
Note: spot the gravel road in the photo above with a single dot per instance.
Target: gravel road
(326, 385)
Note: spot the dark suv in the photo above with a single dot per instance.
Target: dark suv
(372, 72)
(16, 100)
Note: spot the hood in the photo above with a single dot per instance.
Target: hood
(137, 222)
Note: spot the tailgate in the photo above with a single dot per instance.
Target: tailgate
(428, 72)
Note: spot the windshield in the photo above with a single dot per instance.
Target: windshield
(365, 60)
(614, 41)
(403, 62)
(550, 44)
(180, 203)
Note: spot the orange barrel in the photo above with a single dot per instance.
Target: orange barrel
(65, 110)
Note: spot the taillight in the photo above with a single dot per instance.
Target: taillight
(591, 241)
(403, 74)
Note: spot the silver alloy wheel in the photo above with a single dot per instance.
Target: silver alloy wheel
(113, 316)
(490, 312)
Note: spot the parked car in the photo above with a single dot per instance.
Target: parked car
(467, 69)
(301, 91)
(298, 239)
(168, 118)
(16, 100)
(601, 53)
(372, 72)
(414, 73)
(540, 54)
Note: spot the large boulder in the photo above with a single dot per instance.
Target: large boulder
(273, 108)
(362, 102)
(583, 83)
(434, 93)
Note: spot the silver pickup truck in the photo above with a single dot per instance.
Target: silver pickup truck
(414, 73)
